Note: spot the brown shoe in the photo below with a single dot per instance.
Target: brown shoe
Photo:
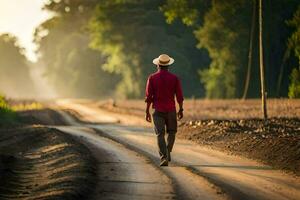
(164, 162)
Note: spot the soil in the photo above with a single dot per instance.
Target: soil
(213, 109)
(44, 163)
(275, 142)
(238, 177)
(234, 126)
(42, 117)
(37, 162)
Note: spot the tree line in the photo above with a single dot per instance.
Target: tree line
(15, 79)
(101, 48)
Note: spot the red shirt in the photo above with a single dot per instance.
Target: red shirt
(161, 89)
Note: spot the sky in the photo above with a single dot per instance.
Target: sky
(20, 18)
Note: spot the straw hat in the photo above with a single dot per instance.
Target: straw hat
(163, 60)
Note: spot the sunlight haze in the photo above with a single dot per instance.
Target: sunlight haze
(20, 18)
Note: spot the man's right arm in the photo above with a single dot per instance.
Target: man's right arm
(180, 112)
(179, 98)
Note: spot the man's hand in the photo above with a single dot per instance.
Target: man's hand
(180, 114)
(148, 116)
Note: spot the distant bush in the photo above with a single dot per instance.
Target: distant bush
(7, 115)
(294, 88)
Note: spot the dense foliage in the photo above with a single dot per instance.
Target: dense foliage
(223, 28)
(225, 34)
(294, 44)
(294, 88)
(72, 67)
(98, 48)
(125, 37)
(132, 33)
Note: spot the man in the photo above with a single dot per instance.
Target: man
(161, 89)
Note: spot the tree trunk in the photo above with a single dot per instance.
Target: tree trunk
(285, 57)
(247, 81)
(261, 64)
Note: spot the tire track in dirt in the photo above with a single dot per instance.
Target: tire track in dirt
(187, 185)
(122, 173)
(237, 177)
(43, 163)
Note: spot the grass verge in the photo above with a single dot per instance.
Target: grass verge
(7, 115)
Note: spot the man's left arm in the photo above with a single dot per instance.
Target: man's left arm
(179, 98)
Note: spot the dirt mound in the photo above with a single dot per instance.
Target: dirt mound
(213, 109)
(233, 126)
(275, 142)
(42, 116)
(43, 163)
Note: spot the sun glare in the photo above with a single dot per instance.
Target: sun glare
(20, 18)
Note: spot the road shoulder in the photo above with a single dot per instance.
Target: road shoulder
(44, 163)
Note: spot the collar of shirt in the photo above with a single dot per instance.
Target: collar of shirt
(163, 70)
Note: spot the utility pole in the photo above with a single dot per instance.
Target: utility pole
(261, 64)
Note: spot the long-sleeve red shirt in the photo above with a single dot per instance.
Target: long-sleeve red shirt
(161, 89)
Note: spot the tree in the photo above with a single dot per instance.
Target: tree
(191, 13)
(294, 44)
(294, 88)
(122, 38)
(224, 34)
(222, 28)
(131, 33)
(252, 32)
(261, 62)
(15, 80)
(71, 66)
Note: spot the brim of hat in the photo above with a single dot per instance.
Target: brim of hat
(156, 62)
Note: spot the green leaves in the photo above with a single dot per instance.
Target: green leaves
(222, 29)
(294, 44)
(225, 36)
(117, 40)
(131, 34)
(174, 9)
(74, 69)
(189, 12)
(294, 87)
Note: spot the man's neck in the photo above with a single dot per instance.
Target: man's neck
(163, 70)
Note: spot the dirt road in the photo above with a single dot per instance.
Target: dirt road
(195, 173)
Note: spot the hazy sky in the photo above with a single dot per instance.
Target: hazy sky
(20, 17)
